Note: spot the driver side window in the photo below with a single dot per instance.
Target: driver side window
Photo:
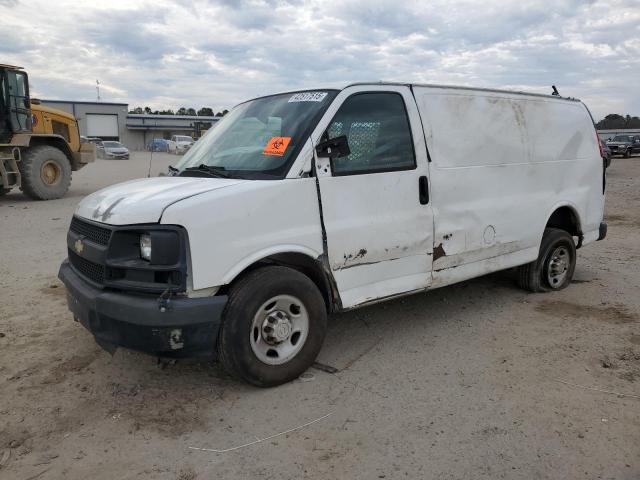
(377, 129)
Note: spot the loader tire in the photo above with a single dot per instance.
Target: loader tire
(46, 172)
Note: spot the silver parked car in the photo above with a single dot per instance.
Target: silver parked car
(111, 149)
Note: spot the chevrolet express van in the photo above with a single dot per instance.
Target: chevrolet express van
(305, 203)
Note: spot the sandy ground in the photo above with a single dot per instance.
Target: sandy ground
(462, 382)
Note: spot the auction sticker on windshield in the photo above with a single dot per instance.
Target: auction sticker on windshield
(276, 146)
(308, 97)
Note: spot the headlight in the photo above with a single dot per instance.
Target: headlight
(145, 247)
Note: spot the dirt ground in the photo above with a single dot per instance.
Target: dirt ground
(478, 380)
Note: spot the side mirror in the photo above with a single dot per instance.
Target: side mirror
(333, 148)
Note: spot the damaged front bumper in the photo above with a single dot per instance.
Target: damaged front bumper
(177, 327)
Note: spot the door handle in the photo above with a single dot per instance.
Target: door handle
(423, 188)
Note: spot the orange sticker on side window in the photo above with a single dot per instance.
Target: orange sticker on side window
(276, 146)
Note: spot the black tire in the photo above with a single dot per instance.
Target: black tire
(38, 160)
(245, 299)
(534, 276)
(4, 191)
(627, 153)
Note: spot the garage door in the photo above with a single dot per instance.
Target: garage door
(101, 125)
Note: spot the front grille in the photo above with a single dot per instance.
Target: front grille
(90, 231)
(93, 271)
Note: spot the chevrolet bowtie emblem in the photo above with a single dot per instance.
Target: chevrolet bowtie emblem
(79, 246)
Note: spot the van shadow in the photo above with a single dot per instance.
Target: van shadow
(352, 334)
(194, 391)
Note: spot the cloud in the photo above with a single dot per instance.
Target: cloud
(172, 53)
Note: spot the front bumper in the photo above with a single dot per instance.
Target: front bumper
(618, 149)
(181, 327)
(86, 154)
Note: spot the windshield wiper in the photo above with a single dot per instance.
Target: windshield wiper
(212, 170)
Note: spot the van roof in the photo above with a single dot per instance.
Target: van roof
(10, 67)
(408, 84)
(460, 87)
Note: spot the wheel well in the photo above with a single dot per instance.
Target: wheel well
(565, 218)
(310, 267)
(56, 142)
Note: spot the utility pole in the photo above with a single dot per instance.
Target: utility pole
(98, 89)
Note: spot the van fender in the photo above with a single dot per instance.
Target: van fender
(256, 257)
(574, 208)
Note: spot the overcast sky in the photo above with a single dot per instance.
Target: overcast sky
(173, 53)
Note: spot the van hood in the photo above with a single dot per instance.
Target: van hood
(144, 200)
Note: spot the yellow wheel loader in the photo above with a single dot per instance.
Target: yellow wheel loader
(39, 146)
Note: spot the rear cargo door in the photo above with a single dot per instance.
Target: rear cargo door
(375, 207)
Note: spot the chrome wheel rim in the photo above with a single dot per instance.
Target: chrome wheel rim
(279, 329)
(558, 266)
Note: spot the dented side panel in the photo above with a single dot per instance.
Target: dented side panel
(501, 164)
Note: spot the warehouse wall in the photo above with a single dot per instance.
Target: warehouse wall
(135, 131)
(81, 109)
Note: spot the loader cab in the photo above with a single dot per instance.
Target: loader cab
(15, 105)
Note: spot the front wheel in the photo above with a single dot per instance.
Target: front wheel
(554, 267)
(274, 324)
(627, 154)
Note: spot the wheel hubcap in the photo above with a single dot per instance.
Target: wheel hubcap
(276, 328)
(50, 172)
(558, 266)
(279, 329)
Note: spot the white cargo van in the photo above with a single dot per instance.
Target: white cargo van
(305, 203)
(180, 144)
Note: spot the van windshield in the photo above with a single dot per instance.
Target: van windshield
(259, 138)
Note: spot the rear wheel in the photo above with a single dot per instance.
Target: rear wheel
(274, 325)
(46, 172)
(553, 270)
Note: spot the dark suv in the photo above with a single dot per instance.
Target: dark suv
(624, 145)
